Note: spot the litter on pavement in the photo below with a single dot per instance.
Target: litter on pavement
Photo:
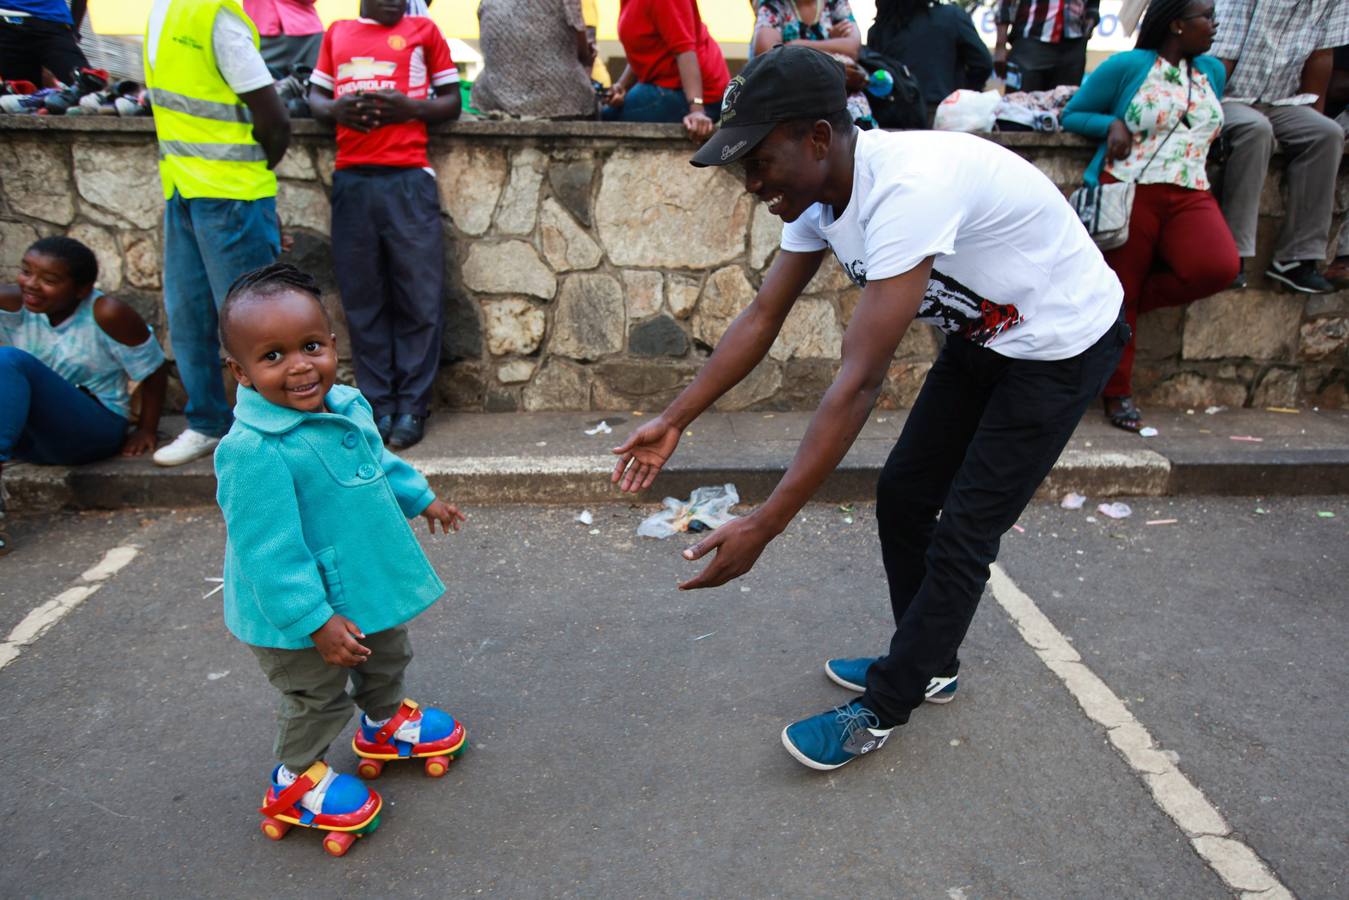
(602, 428)
(1248, 438)
(1115, 510)
(1161, 521)
(1148, 431)
(586, 517)
(1073, 501)
(707, 508)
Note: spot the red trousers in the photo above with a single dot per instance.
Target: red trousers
(1179, 250)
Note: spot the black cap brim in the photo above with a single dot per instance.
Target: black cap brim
(726, 145)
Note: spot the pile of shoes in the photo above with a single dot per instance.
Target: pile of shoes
(87, 93)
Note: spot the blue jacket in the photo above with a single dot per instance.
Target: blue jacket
(316, 512)
(1105, 96)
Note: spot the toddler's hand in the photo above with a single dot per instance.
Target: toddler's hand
(337, 644)
(447, 514)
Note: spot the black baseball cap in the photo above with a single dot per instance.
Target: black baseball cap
(783, 84)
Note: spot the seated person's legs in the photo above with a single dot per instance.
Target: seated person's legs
(649, 103)
(1313, 145)
(46, 419)
(1250, 139)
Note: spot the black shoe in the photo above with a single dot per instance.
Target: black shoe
(1299, 275)
(407, 430)
(384, 424)
(1239, 282)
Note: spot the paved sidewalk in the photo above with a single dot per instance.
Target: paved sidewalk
(549, 458)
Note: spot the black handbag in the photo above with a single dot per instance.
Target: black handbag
(904, 106)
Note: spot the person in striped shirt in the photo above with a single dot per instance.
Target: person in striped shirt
(1049, 42)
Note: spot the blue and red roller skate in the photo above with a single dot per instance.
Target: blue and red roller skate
(412, 733)
(347, 809)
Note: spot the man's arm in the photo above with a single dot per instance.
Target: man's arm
(1316, 73)
(77, 11)
(887, 309)
(740, 349)
(11, 298)
(271, 122)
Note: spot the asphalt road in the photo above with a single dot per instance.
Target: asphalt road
(624, 736)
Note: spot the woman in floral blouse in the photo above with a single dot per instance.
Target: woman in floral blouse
(826, 25)
(1157, 109)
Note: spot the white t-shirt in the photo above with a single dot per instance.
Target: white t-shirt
(1015, 270)
(240, 63)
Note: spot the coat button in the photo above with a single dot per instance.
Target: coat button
(366, 471)
(349, 440)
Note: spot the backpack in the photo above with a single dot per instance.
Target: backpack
(904, 106)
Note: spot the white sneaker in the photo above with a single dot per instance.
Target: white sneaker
(185, 447)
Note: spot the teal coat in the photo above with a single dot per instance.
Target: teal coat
(1106, 94)
(317, 513)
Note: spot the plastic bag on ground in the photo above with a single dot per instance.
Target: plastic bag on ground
(966, 110)
(707, 508)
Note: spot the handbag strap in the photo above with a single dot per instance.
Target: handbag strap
(1189, 92)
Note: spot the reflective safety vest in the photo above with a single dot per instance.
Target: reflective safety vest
(206, 145)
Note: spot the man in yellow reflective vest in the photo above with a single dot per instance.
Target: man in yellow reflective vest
(222, 130)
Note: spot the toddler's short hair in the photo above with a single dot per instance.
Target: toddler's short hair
(267, 281)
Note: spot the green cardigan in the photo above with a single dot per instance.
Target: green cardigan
(316, 517)
(1107, 92)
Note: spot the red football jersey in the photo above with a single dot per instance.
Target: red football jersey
(361, 55)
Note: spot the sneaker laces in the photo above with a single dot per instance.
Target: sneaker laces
(853, 717)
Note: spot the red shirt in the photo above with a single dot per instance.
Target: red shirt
(362, 55)
(653, 31)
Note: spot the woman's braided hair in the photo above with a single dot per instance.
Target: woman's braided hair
(1152, 33)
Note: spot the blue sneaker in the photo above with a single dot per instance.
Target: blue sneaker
(835, 738)
(852, 674)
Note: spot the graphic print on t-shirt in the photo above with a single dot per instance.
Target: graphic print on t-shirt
(952, 307)
(1012, 267)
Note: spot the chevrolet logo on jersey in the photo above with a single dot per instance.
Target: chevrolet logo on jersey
(362, 68)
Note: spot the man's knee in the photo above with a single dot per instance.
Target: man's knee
(1251, 133)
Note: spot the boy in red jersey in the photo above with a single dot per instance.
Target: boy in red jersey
(382, 79)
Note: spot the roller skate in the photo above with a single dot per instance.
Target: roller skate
(412, 733)
(347, 809)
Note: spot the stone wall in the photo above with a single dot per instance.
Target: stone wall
(591, 267)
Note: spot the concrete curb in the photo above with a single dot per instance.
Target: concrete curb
(554, 461)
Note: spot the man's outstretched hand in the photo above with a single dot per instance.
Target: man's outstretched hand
(738, 544)
(643, 454)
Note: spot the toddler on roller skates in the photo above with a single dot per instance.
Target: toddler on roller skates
(322, 570)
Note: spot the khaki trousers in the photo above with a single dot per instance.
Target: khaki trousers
(315, 702)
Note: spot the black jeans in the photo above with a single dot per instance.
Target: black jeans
(1044, 65)
(389, 259)
(983, 433)
(28, 45)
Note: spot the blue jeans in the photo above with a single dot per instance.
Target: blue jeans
(652, 103)
(46, 419)
(207, 244)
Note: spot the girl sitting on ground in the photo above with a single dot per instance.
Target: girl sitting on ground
(67, 354)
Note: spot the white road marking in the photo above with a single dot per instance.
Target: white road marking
(39, 620)
(1210, 835)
